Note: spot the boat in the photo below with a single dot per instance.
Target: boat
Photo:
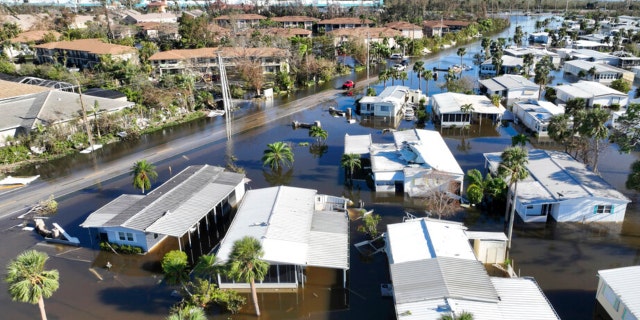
(215, 113)
(17, 181)
(56, 234)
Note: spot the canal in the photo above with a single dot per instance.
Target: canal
(564, 258)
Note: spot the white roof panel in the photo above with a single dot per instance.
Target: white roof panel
(522, 299)
(450, 102)
(358, 144)
(625, 283)
(587, 90)
(430, 147)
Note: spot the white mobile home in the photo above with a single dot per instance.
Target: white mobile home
(390, 102)
(187, 207)
(535, 115)
(592, 92)
(618, 294)
(512, 88)
(560, 187)
(298, 229)
(604, 73)
(448, 109)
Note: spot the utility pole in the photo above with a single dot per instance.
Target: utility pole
(226, 96)
(84, 116)
(368, 59)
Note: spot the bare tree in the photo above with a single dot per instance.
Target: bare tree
(440, 194)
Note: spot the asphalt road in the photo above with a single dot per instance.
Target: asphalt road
(18, 201)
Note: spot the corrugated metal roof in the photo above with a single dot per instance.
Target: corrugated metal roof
(429, 146)
(522, 299)
(99, 217)
(358, 144)
(290, 230)
(173, 207)
(508, 82)
(451, 102)
(422, 310)
(441, 277)
(625, 283)
(587, 90)
(484, 235)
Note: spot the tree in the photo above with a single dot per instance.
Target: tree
(626, 133)
(350, 161)
(495, 99)
(592, 73)
(187, 312)
(594, 128)
(428, 76)
(418, 69)
(518, 36)
(29, 282)
(207, 267)
(461, 52)
(462, 316)
(486, 43)
(519, 139)
(384, 76)
(560, 130)
(277, 155)
(542, 70)
(176, 269)
(370, 224)
(246, 264)
(633, 179)
(251, 72)
(318, 133)
(527, 61)
(621, 85)
(513, 169)
(437, 196)
(143, 172)
(403, 76)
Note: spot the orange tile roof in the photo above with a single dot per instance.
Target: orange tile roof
(363, 32)
(95, 46)
(12, 89)
(402, 25)
(243, 16)
(345, 20)
(227, 52)
(34, 35)
(279, 32)
(295, 19)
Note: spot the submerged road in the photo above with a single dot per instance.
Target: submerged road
(19, 200)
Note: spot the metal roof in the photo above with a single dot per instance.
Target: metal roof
(508, 82)
(600, 67)
(625, 283)
(429, 146)
(389, 94)
(587, 90)
(358, 144)
(451, 102)
(420, 239)
(559, 176)
(173, 207)
(291, 230)
(522, 299)
(485, 235)
(441, 277)
(99, 217)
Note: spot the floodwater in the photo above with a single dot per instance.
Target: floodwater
(564, 258)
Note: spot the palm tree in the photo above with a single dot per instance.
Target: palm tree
(350, 161)
(28, 280)
(207, 267)
(461, 52)
(463, 316)
(176, 269)
(403, 76)
(277, 155)
(594, 127)
(513, 168)
(633, 179)
(384, 76)
(143, 172)
(467, 109)
(495, 99)
(418, 69)
(246, 264)
(486, 43)
(318, 133)
(560, 130)
(187, 312)
(519, 139)
(427, 75)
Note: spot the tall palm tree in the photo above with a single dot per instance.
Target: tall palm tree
(318, 133)
(277, 155)
(467, 109)
(350, 161)
(513, 168)
(594, 127)
(560, 130)
(461, 52)
(403, 76)
(427, 75)
(519, 140)
(384, 76)
(207, 267)
(187, 312)
(143, 172)
(28, 280)
(176, 269)
(592, 73)
(495, 99)
(418, 69)
(486, 43)
(246, 264)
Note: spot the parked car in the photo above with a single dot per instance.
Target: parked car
(395, 56)
(399, 67)
(348, 84)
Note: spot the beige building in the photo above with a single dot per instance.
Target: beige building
(83, 53)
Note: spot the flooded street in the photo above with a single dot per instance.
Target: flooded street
(564, 258)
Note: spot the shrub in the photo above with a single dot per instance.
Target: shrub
(124, 249)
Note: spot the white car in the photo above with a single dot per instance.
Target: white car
(399, 67)
(395, 56)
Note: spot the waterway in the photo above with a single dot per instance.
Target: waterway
(564, 258)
